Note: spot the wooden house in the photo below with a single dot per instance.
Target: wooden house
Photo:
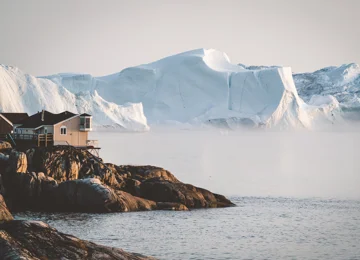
(46, 129)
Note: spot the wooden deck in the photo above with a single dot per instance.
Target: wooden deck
(27, 141)
(38, 139)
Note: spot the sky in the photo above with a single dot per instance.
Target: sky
(44, 37)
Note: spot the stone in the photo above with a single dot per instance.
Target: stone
(35, 240)
(186, 194)
(5, 145)
(17, 161)
(86, 195)
(91, 195)
(5, 214)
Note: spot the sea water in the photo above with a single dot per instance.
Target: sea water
(297, 196)
(258, 228)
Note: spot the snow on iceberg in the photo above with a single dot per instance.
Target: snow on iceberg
(202, 86)
(22, 92)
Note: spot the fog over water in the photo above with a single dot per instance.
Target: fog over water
(247, 163)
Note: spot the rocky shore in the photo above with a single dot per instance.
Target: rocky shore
(62, 178)
(35, 240)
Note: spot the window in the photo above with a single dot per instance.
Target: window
(45, 130)
(63, 130)
(87, 123)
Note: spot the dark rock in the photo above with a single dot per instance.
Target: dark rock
(88, 195)
(142, 173)
(159, 185)
(35, 240)
(5, 214)
(171, 206)
(17, 162)
(186, 194)
(70, 179)
(4, 145)
(91, 195)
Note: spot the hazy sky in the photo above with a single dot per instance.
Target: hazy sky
(102, 37)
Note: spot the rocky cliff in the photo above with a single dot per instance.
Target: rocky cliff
(64, 178)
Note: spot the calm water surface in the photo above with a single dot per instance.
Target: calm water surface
(258, 228)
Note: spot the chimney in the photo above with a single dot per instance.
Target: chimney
(42, 115)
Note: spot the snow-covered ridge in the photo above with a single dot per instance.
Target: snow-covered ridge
(342, 82)
(196, 87)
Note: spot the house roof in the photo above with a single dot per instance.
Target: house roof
(15, 117)
(35, 121)
(84, 114)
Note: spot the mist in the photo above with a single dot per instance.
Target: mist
(247, 163)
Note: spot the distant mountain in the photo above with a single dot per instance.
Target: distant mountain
(196, 87)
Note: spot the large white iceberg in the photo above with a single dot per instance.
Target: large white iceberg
(202, 86)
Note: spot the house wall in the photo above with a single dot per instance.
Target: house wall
(73, 135)
(50, 129)
(5, 127)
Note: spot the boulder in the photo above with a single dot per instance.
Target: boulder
(159, 185)
(4, 157)
(88, 195)
(186, 194)
(17, 161)
(35, 240)
(28, 191)
(171, 206)
(142, 173)
(91, 195)
(132, 203)
(65, 163)
(62, 168)
(5, 214)
(4, 145)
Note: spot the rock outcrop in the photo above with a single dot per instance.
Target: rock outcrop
(4, 145)
(17, 161)
(35, 240)
(5, 214)
(69, 179)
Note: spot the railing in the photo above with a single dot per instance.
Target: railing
(85, 126)
(41, 137)
(96, 158)
(8, 138)
(92, 143)
(25, 136)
